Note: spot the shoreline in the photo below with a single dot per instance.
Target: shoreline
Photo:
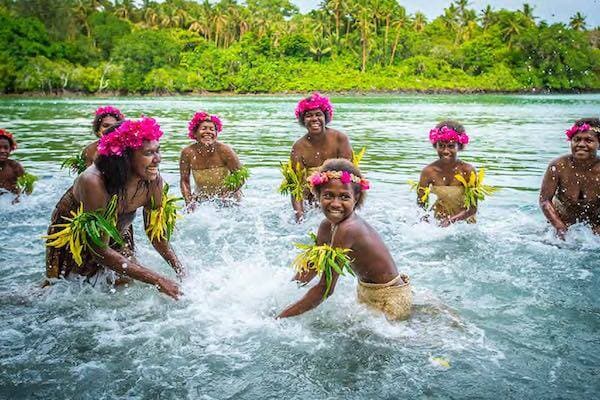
(117, 93)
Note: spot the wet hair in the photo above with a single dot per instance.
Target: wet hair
(341, 164)
(115, 170)
(454, 125)
(98, 121)
(592, 122)
(301, 115)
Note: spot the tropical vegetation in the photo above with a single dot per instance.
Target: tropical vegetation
(179, 46)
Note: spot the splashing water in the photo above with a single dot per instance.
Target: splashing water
(503, 309)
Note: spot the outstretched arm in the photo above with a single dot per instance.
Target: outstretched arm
(547, 192)
(93, 196)
(312, 298)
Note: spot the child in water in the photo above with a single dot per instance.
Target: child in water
(104, 118)
(570, 190)
(10, 170)
(214, 165)
(449, 178)
(347, 243)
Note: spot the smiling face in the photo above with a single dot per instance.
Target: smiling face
(337, 200)
(314, 121)
(206, 133)
(105, 123)
(5, 149)
(584, 145)
(145, 160)
(447, 151)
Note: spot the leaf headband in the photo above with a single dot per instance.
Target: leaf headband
(320, 178)
(200, 117)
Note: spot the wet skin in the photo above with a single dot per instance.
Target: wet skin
(442, 172)
(10, 170)
(206, 153)
(315, 147)
(371, 259)
(143, 189)
(91, 150)
(574, 179)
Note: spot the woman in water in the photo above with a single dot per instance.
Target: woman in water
(454, 182)
(215, 166)
(570, 190)
(89, 229)
(10, 170)
(318, 144)
(104, 118)
(347, 243)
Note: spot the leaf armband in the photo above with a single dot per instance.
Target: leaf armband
(75, 164)
(86, 230)
(237, 178)
(357, 157)
(26, 182)
(161, 221)
(475, 190)
(324, 259)
(424, 199)
(294, 180)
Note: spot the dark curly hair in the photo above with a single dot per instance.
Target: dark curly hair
(454, 125)
(341, 164)
(98, 121)
(115, 170)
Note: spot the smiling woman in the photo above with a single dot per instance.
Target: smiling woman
(570, 191)
(91, 224)
(216, 168)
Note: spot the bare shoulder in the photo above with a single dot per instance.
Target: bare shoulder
(90, 179)
(429, 170)
(225, 149)
(351, 231)
(187, 151)
(560, 162)
(300, 144)
(15, 166)
(339, 135)
(466, 168)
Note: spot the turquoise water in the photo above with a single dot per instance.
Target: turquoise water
(514, 311)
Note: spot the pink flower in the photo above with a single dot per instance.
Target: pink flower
(316, 179)
(109, 110)
(129, 135)
(446, 134)
(575, 129)
(365, 184)
(345, 177)
(312, 103)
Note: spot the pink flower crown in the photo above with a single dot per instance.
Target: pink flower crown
(200, 117)
(313, 102)
(320, 178)
(6, 134)
(575, 129)
(110, 110)
(129, 135)
(446, 134)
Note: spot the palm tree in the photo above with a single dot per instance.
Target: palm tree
(487, 17)
(399, 22)
(319, 47)
(578, 22)
(364, 24)
(419, 22)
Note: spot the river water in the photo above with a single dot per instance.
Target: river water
(502, 308)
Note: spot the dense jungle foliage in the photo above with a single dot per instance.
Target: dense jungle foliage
(96, 46)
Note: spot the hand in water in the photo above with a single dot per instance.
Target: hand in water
(190, 207)
(169, 288)
(561, 233)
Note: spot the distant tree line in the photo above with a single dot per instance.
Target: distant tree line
(269, 46)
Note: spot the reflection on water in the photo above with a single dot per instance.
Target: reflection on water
(513, 311)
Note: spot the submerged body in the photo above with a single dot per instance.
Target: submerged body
(10, 170)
